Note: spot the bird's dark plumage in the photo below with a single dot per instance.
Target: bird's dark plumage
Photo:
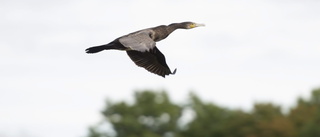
(153, 61)
(141, 47)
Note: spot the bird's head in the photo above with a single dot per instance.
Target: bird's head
(190, 25)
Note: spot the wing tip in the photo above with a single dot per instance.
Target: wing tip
(174, 71)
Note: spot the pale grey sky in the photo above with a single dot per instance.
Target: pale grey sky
(249, 51)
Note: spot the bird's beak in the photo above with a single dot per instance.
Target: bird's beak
(199, 25)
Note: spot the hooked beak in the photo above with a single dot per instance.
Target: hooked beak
(200, 25)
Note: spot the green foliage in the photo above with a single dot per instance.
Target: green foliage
(153, 114)
(271, 122)
(306, 116)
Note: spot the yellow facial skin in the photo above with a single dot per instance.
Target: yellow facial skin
(193, 25)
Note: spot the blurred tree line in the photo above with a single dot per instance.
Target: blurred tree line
(153, 114)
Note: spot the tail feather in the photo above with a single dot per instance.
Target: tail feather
(95, 49)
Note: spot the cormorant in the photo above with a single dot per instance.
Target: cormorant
(141, 46)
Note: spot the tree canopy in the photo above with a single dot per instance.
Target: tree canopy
(153, 114)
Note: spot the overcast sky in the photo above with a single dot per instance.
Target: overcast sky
(249, 51)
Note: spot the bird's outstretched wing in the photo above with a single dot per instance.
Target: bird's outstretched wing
(152, 60)
(139, 41)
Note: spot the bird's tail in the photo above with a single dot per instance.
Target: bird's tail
(96, 49)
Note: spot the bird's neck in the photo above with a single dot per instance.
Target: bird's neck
(172, 27)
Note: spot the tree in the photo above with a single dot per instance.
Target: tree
(151, 115)
(265, 120)
(269, 121)
(306, 115)
(209, 119)
(212, 120)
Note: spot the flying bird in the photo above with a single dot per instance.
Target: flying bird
(141, 46)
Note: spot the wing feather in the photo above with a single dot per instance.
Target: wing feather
(152, 60)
